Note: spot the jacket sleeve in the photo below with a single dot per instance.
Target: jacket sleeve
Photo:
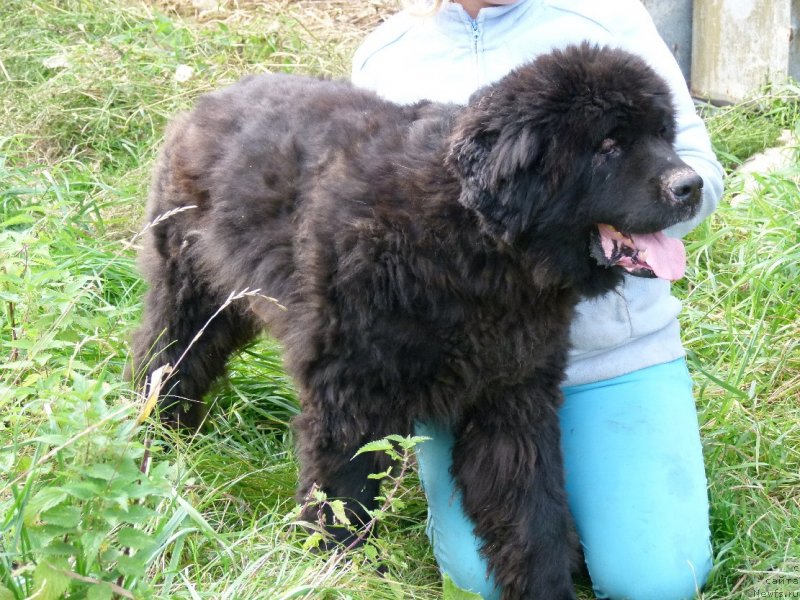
(359, 75)
(637, 33)
(364, 71)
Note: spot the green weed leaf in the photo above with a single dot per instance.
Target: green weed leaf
(62, 516)
(91, 541)
(59, 548)
(453, 592)
(83, 490)
(5, 593)
(383, 445)
(131, 566)
(49, 580)
(382, 475)
(337, 507)
(313, 541)
(100, 471)
(99, 591)
(370, 551)
(44, 499)
(134, 538)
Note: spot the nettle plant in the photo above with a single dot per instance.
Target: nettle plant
(84, 510)
(96, 522)
(400, 451)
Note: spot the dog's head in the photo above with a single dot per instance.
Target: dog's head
(575, 151)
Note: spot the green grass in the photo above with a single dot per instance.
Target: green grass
(86, 89)
(741, 326)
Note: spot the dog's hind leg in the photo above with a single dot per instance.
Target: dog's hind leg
(507, 462)
(178, 330)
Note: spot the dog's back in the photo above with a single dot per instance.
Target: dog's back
(242, 169)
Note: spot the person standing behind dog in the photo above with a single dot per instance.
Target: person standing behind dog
(633, 460)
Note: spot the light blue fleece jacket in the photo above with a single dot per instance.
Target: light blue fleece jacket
(448, 55)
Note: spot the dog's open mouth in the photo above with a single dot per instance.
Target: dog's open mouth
(645, 255)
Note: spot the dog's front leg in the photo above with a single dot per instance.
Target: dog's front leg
(327, 443)
(507, 462)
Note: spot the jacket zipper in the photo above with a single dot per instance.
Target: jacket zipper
(475, 35)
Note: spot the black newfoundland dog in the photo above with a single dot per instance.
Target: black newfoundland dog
(426, 260)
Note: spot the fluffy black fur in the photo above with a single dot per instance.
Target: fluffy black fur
(428, 258)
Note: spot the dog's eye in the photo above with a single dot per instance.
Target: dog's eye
(608, 147)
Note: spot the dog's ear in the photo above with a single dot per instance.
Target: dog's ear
(496, 159)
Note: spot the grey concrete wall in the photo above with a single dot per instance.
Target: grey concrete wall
(673, 18)
(794, 45)
(740, 45)
(728, 49)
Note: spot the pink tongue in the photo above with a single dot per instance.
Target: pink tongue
(665, 255)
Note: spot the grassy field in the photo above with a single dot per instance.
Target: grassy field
(94, 506)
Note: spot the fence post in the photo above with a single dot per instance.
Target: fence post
(740, 45)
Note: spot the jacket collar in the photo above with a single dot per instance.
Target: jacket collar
(453, 14)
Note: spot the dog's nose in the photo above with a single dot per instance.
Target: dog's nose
(684, 185)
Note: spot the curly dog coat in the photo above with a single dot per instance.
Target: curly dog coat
(428, 259)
